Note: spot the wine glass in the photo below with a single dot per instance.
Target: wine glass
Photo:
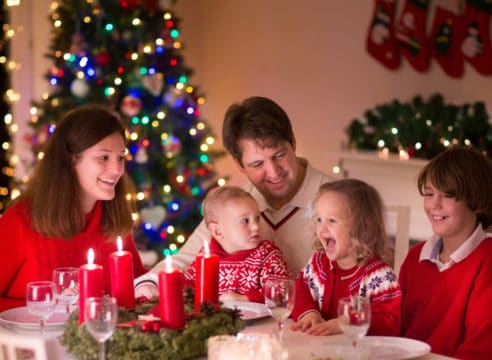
(41, 301)
(280, 298)
(354, 317)
(100, 317)
(66, 281)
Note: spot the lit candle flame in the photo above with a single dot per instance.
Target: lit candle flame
(206, 248)
(169, 263)
(90, 256)
(119, 243)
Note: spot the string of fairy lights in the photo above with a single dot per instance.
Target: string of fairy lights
(8, 65)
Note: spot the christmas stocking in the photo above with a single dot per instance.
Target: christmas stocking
(411, 35)
(381, 42)
(444, 42)
(475, 39)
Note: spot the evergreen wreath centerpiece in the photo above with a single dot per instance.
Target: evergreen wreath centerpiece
(137, 339)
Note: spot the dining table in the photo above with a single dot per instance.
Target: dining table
(302, 346)
(295, 344)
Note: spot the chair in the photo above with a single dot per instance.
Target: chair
(400, 228)
(16, 346)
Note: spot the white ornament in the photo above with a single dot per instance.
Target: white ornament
(141, 156)
(153, 215)
(80, 88)
(154, 83)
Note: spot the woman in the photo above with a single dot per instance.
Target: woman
(76, 200)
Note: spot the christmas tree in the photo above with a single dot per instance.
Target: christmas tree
(6, 172)
(127, 55)
(422, 129)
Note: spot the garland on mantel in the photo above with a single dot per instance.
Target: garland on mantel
(147, 340)
(422, 129)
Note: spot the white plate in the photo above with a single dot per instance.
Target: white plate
(369, 348)
(396, 348)
(249, 310)
(20, 319)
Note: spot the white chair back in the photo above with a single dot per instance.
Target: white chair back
(398, 218)
(15, 346)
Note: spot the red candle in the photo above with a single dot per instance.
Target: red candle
(207, 277)
(121, 274)
(91, 283)
(171, 304)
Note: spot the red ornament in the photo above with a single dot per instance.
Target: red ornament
(103, 58)
(150, 5)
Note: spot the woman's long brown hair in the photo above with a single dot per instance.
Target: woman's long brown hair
(53, 194)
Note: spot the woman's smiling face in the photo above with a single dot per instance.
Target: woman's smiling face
(99, 168)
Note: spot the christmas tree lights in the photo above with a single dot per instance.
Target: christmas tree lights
(127, 55)
(7, 126)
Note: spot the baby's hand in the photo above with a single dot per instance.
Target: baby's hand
(307, 321)
(234, 296)
(147, 290)
(329, 327)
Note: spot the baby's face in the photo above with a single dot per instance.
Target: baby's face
(239, 224)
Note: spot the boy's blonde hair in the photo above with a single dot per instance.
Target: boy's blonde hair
(366, 223)
(217, 197)
(464, 174)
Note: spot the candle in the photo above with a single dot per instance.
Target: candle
(207, 277)
(90, 282)
(121, 275)
(171, 304)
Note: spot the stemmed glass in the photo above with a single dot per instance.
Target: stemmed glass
(41, 301)
(354, 317)
(279, 298)
(66, 281)
(100, 318)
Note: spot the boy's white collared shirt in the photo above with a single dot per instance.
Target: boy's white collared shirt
(430, 250)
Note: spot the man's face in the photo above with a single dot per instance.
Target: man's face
(272, 170)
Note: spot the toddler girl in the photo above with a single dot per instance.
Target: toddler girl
(350, 259)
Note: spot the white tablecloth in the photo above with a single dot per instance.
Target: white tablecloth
(299, 345)
(306, 347)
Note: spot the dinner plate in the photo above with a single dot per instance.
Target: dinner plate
(369, 348)
(20, 319)
(249, 310)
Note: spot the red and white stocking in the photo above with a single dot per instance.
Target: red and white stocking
(475, 38)
(411, 34)
(381, 42)
(445, 42)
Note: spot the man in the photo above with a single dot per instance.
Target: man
(258, 134)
